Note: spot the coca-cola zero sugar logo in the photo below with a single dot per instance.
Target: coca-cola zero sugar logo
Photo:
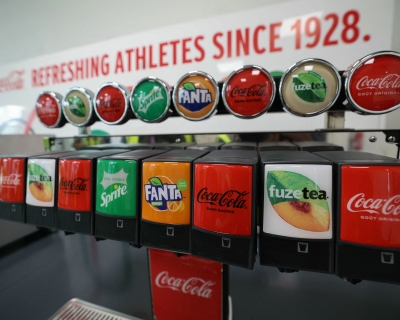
(248, 92)
(374, 85)
(110, 103)
(78, 184)
(226, 206)
(193, 286)
(13, 81)
(229, 199)
(370, 205)
(75, 184)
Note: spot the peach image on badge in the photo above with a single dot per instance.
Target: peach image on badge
(195, 96)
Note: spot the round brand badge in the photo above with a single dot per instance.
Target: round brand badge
(77, 106)
(248, 92)
(196, 96)
(150, 100)
(309, 87)
(372, 84)
(48, 109)
(111, 103)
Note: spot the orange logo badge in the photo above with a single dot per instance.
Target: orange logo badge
(196, 96)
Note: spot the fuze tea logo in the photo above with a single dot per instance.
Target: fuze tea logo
(192, 98)
(76, 106)
(164, 196)
(297, 201)
(116, 187)
(40, 183)
(310, 86)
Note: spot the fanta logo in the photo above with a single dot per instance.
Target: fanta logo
(193, 98)
(146, 101)
(158, 193)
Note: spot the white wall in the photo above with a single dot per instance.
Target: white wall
(33, 28)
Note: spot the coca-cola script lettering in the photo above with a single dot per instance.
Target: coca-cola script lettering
(11, 180)
(78, 184)
(391, 81)
(230, 198)
(14, 81)
(254, 90)
(193, 286)
(359, 203)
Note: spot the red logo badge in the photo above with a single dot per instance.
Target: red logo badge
(185, 287)
(110, 104)
(223, 198)
(12, 179)
(75, 185)
(248, 92)
(48, 109)
(374, 86)
(370, 205)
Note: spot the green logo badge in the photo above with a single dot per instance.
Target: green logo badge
(116, 187)
(76, 106)
(149, 101)
(310, 86)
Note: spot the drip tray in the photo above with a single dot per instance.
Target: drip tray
(78, 309)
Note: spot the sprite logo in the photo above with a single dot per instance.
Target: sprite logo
(116, 180)
(149, 100)
(298, 200)
(310, 86)
(77, 106)
(116, 187)
(192, 98)
(146, 100)
(158, 194)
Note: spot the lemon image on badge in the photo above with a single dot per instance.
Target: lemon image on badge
(40, 183)
(298, 200)
(164, 195)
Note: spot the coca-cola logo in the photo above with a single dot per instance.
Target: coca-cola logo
(14, 81)
(256, 90)
(391, 81)
(231, 198)
(11, 180)
(78, 184)
(359, 203)
(193, 286)
(374, 85)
